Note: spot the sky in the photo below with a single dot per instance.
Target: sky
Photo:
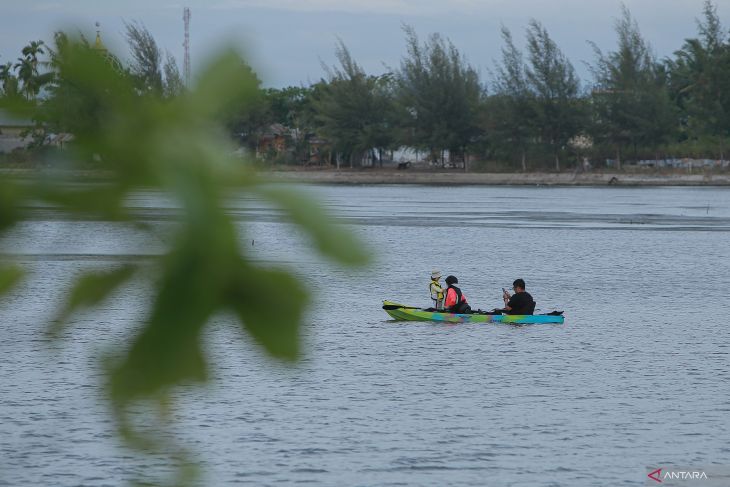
(287, 41)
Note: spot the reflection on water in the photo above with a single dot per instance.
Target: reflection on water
(636, 376)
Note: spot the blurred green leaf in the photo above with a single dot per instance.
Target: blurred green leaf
(90, 290)
(270, 305)
(101, 200)
(9, 277)
(90, 92)
(18, 105)
(9, 196)
(330, 239)
(227, 81)
(137, 142)
(167, 351)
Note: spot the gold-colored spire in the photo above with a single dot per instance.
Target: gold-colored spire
(98, 45)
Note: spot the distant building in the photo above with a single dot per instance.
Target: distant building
(101, 48)
(59, 140)
(12, 129)
(272, 140)
(684, 163)
(320, 151)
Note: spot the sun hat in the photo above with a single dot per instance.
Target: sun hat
(435, 274)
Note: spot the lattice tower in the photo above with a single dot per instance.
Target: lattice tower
(186, 45)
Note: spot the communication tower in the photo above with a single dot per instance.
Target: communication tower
(186, 45)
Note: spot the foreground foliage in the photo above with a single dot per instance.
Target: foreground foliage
(144, 141)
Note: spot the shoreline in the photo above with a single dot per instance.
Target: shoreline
(380, 177)
(429, 178)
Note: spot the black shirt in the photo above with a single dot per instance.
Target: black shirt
(521, 304)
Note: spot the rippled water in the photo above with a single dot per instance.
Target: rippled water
(637, 376)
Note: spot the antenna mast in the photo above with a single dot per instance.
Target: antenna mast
(186, 45)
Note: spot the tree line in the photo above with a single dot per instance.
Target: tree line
(530, 112)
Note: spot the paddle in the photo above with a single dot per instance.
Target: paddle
(399, 306)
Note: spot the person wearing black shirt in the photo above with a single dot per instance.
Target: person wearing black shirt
(521, 303)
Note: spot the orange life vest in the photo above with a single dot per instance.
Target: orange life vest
(453, 296)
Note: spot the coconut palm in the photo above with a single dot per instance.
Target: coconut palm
(32, 50)
(8, 81)
(27, 69)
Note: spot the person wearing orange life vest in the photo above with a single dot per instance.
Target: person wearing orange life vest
(455, 300)
(437, 292)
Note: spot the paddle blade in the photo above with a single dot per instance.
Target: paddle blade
(398, 306)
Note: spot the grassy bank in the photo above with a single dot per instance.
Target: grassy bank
(456, 177)
(452, 177)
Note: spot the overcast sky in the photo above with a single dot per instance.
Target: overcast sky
(286, 40)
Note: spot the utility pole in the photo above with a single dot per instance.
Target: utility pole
(186, 45)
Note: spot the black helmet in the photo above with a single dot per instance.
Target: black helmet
(452, 280)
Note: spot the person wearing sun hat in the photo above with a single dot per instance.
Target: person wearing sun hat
(437, 292)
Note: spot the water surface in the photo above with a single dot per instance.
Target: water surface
(637, 376)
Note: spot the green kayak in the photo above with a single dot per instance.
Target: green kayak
(409, 313)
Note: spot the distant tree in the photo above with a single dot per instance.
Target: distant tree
(174, 84)
(630, 99)
(60, 44)
(351, 108)
(8, 81)
(659, 122)
(512, 106)
(71, 106)
(292, 107)
(30, 79)
(287, 105)
(555, 88)
(248, 118)
(152, 74)
(699, 79)
(21, 84)
(146, 58)
(26, 72)
(441, 95)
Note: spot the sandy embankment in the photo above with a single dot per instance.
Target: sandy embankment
(461, 178)
(440, 178)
